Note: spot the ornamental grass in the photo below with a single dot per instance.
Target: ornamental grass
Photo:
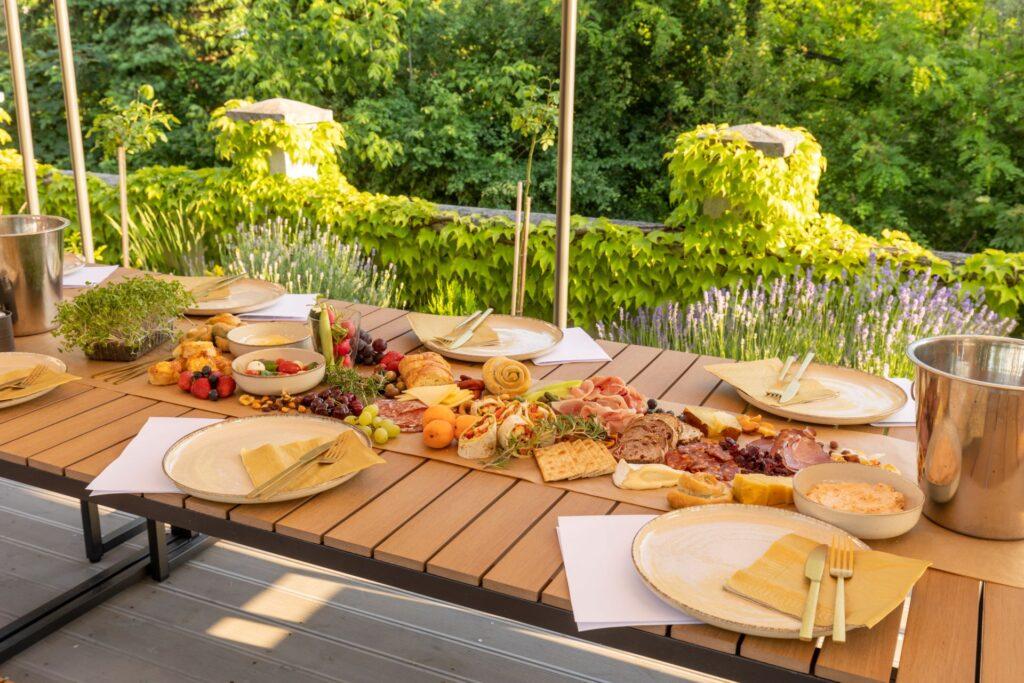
(865, 321)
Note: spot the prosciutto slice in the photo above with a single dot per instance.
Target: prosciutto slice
(604, 397)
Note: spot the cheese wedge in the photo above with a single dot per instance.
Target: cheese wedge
(761, 489)
(431, 396)
(644, 477)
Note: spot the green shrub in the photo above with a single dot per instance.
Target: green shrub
(612, 266)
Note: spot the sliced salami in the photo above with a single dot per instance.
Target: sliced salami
(408, 415)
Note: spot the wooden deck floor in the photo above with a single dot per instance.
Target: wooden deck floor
(236, 614)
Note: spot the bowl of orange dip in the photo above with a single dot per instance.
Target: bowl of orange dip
(868, 502)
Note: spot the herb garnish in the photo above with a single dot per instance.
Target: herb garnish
(366, 388)
(546, 431)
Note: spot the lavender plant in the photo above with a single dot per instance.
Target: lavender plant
(864, 322)
(307, 259)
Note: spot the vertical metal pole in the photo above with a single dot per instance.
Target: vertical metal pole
(122, 194)
(67, 67)
(563, 198)
(28, 157)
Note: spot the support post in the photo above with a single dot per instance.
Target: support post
(563, 198)
(91, 531)
(67, 68)
(122, 197)
(159, 569)
(28, 156)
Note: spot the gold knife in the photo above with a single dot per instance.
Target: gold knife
(280, 478)
(468, 334)
(814, 568)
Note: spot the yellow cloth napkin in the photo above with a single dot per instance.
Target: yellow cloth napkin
(880, 582)
(263, 462)
(756, 377)
(50, 378)
(430, 326)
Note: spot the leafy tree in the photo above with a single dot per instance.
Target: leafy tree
(128, 128)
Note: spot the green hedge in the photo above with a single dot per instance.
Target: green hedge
(612, 265)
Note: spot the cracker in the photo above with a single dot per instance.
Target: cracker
(557, 462)
(597, 459)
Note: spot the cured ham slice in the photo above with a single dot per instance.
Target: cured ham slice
(604, 397)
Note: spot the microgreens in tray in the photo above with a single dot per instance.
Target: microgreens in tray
(123, 320)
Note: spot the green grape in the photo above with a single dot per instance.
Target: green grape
(393, 430)
(365, 418)
(366, 430)
(380, 436)
(351, 419)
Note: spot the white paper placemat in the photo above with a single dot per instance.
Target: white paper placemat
(905, 416)
(576, 347)
(604, 586)
(288, 307)
(139, 468)
(89, 275)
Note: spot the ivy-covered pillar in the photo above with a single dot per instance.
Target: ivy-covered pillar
(297, 158)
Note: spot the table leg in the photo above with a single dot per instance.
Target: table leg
(95, 543)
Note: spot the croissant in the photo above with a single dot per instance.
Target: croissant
(506, 376)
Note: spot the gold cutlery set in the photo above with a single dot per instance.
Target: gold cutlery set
(326, 454)
(463, 332)
(784, 391)
(25, 382)
(837, 558)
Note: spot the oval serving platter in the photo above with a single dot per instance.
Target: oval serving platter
(245, 295)
(518, 338)
(16, 360)
(207, 462)
(687, 555)
(862, 398)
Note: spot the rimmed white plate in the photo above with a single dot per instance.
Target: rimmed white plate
(73, 262)
(246, 295)
(686, 556)
(518, 338)
(16, 360)
(861, 398)
(207, 463)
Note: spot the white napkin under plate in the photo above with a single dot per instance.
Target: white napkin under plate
(576, 347)
(604, 586)
(88, 275)
(288, 307)
(905, 416)
(139, 468)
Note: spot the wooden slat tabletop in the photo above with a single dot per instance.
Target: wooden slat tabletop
(494, 531)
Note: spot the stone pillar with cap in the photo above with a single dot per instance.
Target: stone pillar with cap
(294, 114)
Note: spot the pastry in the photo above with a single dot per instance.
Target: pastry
(163, 373)
(504, 376)
(702, 488)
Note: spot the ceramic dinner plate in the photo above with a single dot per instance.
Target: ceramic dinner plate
(14, 360)
(246, 295)
(518, 338)
(862, 398)
(73, 263)
(207, 463)
(686, 556)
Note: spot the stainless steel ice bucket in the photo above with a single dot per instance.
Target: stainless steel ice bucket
(31, 269)
(970, 433)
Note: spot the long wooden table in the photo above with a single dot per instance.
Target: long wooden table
(487, 541)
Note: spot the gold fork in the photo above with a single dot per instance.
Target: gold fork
(840, 567)
(24, 382)
(325, 454)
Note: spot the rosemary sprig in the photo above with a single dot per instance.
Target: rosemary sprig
(366, 388)
(547, 431)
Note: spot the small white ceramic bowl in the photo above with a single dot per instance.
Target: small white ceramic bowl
(888, 525)
(275, 385)
(246, 338)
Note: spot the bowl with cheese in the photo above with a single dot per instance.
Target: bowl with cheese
(269, 335)
(869, 502)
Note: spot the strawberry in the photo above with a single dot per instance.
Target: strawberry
(226, 386)
(185, 381)
(201, 388)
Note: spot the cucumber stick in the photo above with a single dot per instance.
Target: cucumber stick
(326, 340)
(559, 389)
